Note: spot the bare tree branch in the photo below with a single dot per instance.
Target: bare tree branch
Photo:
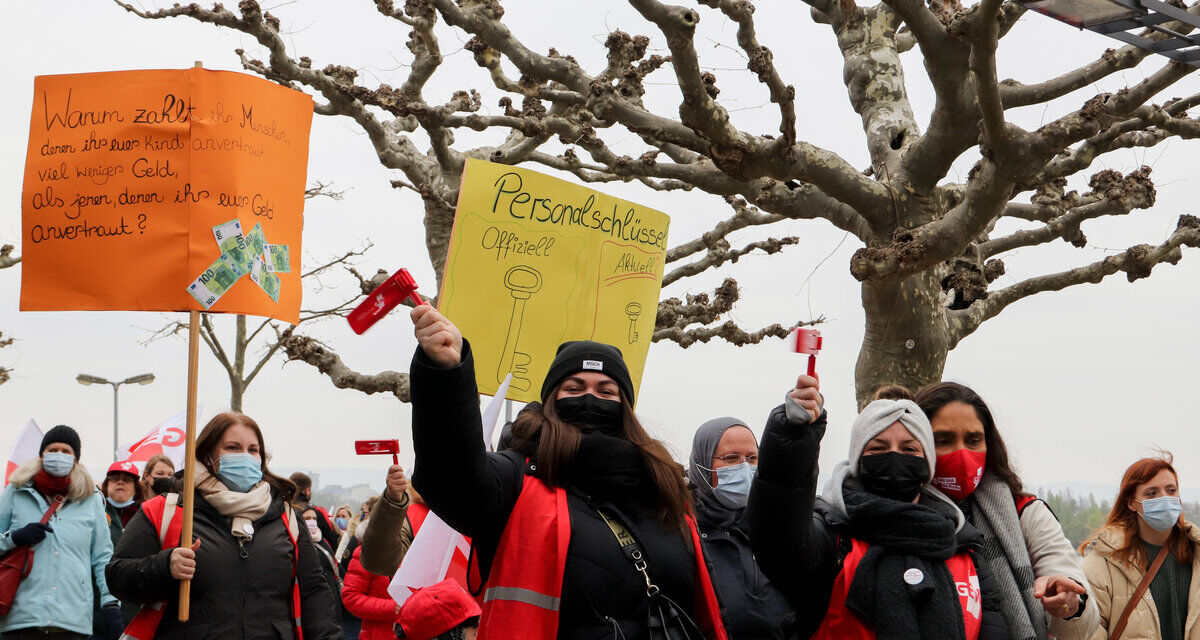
(1118, 196)
(727, 331)
(7, 259)
(320, 189)
(313, 352)
(760, 61)
(5, 373)
(1137, 262)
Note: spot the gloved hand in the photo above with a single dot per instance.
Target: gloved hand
(32, 533)
(114, 624)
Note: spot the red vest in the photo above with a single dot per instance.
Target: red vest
(522, 595)
(841, 624)
(145, 624)
(416, 515)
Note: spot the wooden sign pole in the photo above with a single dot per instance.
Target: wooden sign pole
(189, 460)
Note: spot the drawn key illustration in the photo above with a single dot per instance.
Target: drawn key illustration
(522, 282)
(633, 310)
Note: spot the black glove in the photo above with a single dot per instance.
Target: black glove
(114, 624)
(30, 534)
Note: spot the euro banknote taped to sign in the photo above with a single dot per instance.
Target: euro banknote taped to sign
(535, 261)
(164, 190)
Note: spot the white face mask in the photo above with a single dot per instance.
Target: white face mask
(58, 464)
(313, 530)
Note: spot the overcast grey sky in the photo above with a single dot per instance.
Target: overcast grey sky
(1082, 382)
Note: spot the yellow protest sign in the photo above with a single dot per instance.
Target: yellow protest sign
(164, 190)
(535, 261)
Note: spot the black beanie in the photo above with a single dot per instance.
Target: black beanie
(585, 355)
(64, 434)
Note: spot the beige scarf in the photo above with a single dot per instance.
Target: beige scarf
(242, 508)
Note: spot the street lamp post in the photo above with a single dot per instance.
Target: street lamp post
(1117, 18)
(143, 379)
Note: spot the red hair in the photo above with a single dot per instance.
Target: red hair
(1132, 552)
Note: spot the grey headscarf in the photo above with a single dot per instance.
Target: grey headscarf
(874, 419)
(704, 446)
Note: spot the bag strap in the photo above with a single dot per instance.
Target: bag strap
(1137, 594)
(170, 501)
(632, 550)
(54, 505)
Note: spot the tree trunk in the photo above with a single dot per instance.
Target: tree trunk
(906, 338)
(237, 384)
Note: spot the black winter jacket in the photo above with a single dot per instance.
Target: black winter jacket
(751, 607)
(475, 491)
(239, 592)
(797, 542)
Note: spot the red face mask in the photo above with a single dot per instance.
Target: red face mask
(958, 473)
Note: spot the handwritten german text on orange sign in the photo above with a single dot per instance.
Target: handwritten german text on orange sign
(159, 190)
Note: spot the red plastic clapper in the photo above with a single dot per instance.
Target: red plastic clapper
(378, 447)
(808, 341)
(396, 289)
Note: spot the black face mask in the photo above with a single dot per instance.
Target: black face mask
(588, 410)
(161, 486)
(893, 475)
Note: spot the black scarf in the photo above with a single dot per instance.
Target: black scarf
(904, 536)
(610, 469)
(710, 513)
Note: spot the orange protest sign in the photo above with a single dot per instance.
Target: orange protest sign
(164, 190)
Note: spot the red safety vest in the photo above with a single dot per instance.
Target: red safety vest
(416, 515)
(841, 624)
(522, 595)
(167, 519)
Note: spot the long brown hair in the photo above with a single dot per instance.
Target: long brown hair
(932, 398)
(211, 436)
(553, 443)
(1132, 552)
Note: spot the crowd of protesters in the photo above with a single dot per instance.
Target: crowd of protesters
(584, 527)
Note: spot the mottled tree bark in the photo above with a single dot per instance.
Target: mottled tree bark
(906, 339)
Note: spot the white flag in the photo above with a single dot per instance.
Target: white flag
(439, 552)
(491, 413)
(168, 438)
(24, 449)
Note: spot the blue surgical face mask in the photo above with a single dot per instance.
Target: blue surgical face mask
(239, 471)
(1161, 513)
(58, 464)
(341, 523)
(733, 484)
(120, 505)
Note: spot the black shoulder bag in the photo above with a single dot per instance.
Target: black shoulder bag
(666, 620)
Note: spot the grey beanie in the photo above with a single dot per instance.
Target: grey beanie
(881, 414)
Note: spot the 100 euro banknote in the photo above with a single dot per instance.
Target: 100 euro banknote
(265, 279)
(279, 258)
(232, 242)
(256, 241)
(215, 281)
